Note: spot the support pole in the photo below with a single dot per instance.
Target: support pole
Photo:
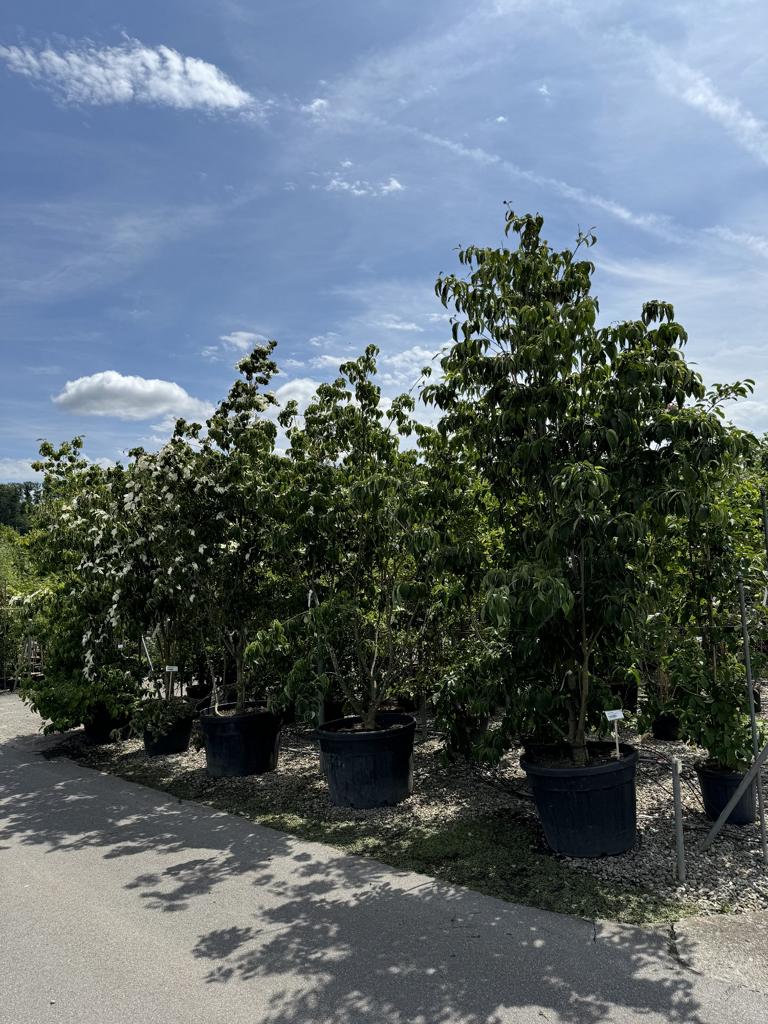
(678, 820)
(753, 718)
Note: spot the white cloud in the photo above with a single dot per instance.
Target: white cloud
(390, 322)
(241, 342)
(395, 369)
(321, 340)
(110, 393)
(361, 187)
(130, 73)
(501, 119)
(543, 90)
(697, 91)
(318, 108)
(327, 361)
(16, 470)
(300, 390)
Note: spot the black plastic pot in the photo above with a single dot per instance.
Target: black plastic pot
(367, 768)
(717, 788)
(587, 811)
(101, 724)
(246, 744)
(625, 694)
(198, 692)
(174, 741)
(666, 726)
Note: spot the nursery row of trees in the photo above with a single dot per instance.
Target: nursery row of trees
(572, 526)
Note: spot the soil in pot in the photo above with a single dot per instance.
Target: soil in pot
(367, 768)
(175, 740)
(587, 811)
(717, 788)
(101, 724)
(666, 726)
(236, 745)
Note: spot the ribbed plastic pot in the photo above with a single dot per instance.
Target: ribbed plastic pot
(588, 811)
(101, 724)
(368, 768)
(717, 788)
(236, 745)
(174, 741)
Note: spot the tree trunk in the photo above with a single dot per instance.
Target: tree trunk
(240, 676)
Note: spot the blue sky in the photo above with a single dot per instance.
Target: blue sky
(179, 178)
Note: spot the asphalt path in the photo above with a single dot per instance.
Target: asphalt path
(120, 905)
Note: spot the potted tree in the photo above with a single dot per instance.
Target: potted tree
(240, 482)
(87, 679)
(576, 430)
(368, 567)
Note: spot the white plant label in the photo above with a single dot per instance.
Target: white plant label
(614, 716)
(171, 668)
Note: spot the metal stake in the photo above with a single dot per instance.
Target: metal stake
(753, 718)
(678, 819)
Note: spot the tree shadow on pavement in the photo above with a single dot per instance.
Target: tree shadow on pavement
(327, 937)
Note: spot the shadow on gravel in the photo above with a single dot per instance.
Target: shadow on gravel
(340, 938)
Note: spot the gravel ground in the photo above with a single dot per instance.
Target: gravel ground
(478, 827)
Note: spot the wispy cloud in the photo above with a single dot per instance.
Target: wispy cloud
(129, 73)
(652, 222)
(391, 322)
(757, 244)
(55, 249)
(697, 91)
(110, 393)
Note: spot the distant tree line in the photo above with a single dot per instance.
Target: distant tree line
(16, 503)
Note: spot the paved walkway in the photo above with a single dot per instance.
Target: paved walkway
(119, 904)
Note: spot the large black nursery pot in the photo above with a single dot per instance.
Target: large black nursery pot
(245, 744)
(368, 768)
(666, 726)
(175, 740)
(588, 811)
(101, 723)
(717, 788)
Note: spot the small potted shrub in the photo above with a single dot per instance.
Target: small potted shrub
(715, 718)
(164, 720)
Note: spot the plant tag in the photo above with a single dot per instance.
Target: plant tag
(614, 716)
(171, 668)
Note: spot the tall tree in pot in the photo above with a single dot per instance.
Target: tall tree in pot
(367, 565)
(240, 483)
(576, 430)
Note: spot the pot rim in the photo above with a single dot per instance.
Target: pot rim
(406, 721)
(630, 757)
(705, 768)
(252, 710)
